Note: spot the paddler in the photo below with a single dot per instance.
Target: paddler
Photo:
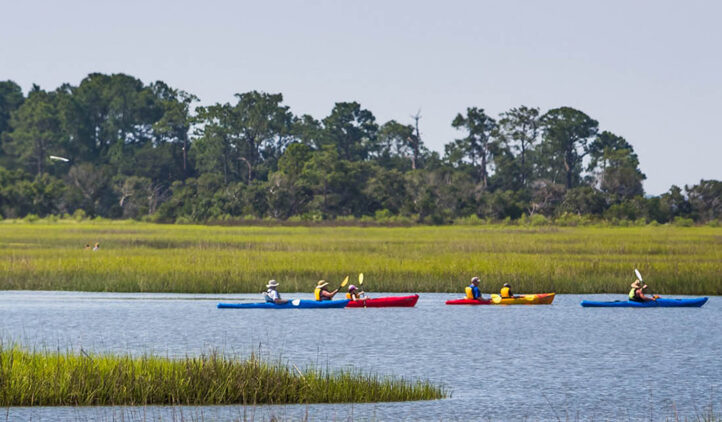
(472, 290)
(355, 294)
(321, 292)
(271, 294)
(506, 291)
(636, 294)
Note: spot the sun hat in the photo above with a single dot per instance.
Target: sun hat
(507, 285)
(272, 283)
(321, 284)
(475, 280)
(636, 284)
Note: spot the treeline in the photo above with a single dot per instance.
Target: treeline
(146, 151)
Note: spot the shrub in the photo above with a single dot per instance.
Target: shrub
(683, 222)
(79, 214)
(538, 220)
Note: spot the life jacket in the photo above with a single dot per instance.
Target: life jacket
(637, 297)
(317, 294)
(505, 292)
(348, 296)
(469, 292)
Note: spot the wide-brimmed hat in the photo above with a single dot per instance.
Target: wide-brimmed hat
(272, 283)
(321, 284)
(636, 284)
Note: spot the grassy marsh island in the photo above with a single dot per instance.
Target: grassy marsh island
(45, 378)
(144, 257)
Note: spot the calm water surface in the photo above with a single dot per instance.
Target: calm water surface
(556, 362)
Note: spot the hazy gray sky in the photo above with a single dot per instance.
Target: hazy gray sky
(650, 71)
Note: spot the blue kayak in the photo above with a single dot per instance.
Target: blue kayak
(659, 303)
(293, 304)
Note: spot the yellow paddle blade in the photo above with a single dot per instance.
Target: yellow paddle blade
(496, 298)
(345, 282)
(361, 278)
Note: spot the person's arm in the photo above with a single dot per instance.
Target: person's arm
(328, 294)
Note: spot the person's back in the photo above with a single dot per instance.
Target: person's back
(506, 291)
(633, 295)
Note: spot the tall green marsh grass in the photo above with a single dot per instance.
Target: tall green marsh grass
(214, 259)
(31, 378)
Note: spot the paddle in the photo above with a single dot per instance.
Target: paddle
(361, 283)
(344, 283)
(360, 286)
(497, 298)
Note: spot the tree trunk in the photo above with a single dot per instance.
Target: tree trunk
(416, 142)
(568, 167)
(185, 156)
(483, 170)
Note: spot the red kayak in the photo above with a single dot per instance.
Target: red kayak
(468, 302)
(385, 302)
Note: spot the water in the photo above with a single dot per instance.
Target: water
(555, 362)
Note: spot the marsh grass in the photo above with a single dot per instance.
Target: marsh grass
(45, 378)
(142, 257)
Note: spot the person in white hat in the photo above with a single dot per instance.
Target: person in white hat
(271, 295)
(321, 292)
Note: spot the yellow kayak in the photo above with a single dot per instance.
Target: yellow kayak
(534, 299)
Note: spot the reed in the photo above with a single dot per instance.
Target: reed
(142, 257)
(44, 378)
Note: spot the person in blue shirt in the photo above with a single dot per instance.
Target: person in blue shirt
(472, 291)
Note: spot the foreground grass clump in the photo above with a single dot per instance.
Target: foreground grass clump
(62, 379)
(141, 257)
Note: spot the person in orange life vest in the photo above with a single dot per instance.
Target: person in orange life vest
(355, 294)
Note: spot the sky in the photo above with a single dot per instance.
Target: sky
(650, 71)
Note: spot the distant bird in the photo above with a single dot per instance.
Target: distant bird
(55, 157)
